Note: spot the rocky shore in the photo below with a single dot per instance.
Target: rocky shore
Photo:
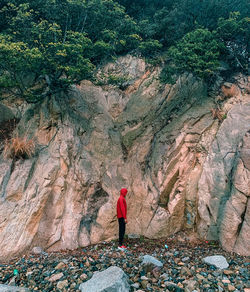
(183, 267)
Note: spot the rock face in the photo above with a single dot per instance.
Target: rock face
(184, 160)
(235, 226)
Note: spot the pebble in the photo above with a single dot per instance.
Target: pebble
(136, 285)
(60, 266)
(144, 284)
(62, 284)
(231, 287)
(83, 277)
(55, 277)
(200, 277)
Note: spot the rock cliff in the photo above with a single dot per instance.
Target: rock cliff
(183, 155)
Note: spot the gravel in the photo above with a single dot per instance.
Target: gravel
(183, 267)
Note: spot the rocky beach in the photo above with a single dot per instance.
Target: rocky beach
(183, 267)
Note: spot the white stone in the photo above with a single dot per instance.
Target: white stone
(37, 250)
(112, 279)
(147, 259)
(218, 261)
(7, 288)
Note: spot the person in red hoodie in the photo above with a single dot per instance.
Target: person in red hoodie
(122, 216)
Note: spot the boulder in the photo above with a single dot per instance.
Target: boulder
(218, 261)
(149, 263)
(6, 288)
(37, 250)
(112, 279)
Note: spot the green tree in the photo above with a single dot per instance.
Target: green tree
(197, 52)
(59, 42)
(14, 57)
(235, 34)
(48, 56)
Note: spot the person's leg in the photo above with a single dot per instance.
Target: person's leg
(121, 230)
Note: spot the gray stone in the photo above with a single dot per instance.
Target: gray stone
(190, 285)
(218, 261)
(228, 85)
(133, 236)
(136, 285)
(164, 276)
(170, 284)
(37, 250)
(147, 260)
(111, 280)
(6, 288)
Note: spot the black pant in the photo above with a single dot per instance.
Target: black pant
(122, 228)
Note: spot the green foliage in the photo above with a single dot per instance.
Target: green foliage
(117, 80)
(149, 48)
(59, 62)
(60, 42)
(47, 45)
(169, 20)
(235, 33)
(14, 57)
(233, 28)
(200, 51)
(169, 74)
(197, 52)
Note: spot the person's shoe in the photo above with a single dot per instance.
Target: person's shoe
(122, 247)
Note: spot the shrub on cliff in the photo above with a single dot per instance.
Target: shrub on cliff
(19, 147)
(45, 46)
(197, 52)
(235, 34)
(59, 42)
(201, 51)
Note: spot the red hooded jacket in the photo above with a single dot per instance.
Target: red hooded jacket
(121, 207)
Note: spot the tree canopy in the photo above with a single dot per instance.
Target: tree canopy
(45, 46)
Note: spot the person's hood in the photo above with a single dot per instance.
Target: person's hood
(123, 192)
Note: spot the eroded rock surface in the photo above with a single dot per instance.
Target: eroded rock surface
(183, 161)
